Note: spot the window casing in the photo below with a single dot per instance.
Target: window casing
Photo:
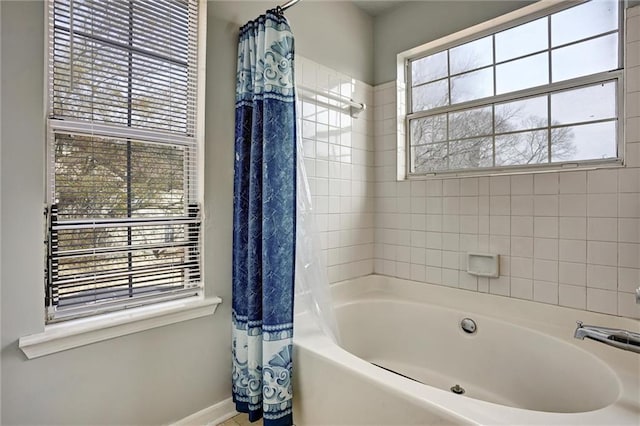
(520, 94)
(123, 226)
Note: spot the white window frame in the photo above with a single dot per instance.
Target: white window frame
(518, 17)
(78, 332)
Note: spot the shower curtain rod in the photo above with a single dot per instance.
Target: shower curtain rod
(288, 4)
(356, 107)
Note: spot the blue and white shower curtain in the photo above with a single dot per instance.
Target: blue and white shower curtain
(264, 228)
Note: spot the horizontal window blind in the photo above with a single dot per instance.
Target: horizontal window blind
(110, 262)
(130, 62)
(123, 216)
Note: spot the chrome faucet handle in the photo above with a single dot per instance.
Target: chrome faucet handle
(579, 324)
(638, 295)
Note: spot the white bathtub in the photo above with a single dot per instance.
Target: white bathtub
(521, 367)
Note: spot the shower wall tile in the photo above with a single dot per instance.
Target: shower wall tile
(572, 296)
(567, 238)
(339, 157)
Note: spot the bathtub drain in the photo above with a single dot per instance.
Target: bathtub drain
(457, 389)
(469, 326)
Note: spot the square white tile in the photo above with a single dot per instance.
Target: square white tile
(521, 184)
(573, 228)
(602, 229)
(572, 273)
(573, 205)
(573, 250)
(603, 301)
(573, 182)
(545, 270)
(545, 248)
(545, 227)
(546, 205)
(604, 277)
(602, 181)
(522, 288)
(546, 183)
(572, 296)
(602, 253)
(545, 292)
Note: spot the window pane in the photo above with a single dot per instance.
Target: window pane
(585, 104)
(429, 158)
(584, 142)
(524, 148)
(90, 171)
(430, 95)
(159, 95)
(522, 74)
(429, 129)
(473, 85)
(525, 114)
(98, 73)
(427, 69)
(574, 61)
(522, 40)
(472, 55)
(470, 123)
(585, 20)
(470, 153)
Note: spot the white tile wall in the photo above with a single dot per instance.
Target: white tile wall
(569, 238)
(339, 158)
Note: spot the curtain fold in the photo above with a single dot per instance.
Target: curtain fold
(264, 230)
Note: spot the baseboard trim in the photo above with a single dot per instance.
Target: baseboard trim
(210, 416)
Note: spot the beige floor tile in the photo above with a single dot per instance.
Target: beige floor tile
(241, 419)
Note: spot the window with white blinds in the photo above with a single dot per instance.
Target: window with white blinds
(123, 213)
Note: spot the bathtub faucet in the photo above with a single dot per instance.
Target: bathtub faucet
(621, 339)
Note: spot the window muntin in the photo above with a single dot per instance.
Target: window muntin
(124, 221)
(514, 65)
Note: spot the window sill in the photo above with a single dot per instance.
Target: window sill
(80, 332)
(586, 165)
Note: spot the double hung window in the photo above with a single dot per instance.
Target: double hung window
(545, 90)
(123, 211)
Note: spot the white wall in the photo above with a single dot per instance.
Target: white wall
(152, 377)
(418, 22)
(161, 375)
(569, 238)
